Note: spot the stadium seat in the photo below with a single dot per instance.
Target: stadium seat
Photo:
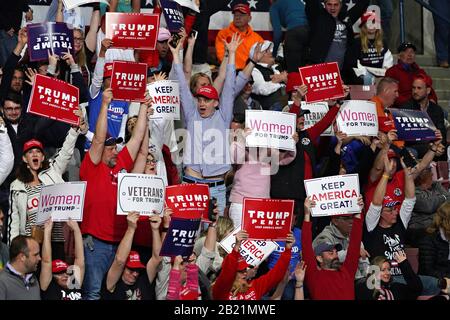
(359, 92)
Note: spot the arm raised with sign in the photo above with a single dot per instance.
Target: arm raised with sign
(118, 265)
(429, 156)
(134, 144)
(353, 251)
(307, 249)
(155, 260)
(410, 195)
(141, 159)
(46, 263)
(315, 131)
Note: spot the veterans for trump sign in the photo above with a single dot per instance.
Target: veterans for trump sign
(140, 192)
(334, 195)
(166, 99)
(267, 219)
(270, 129)
(180, 238)
(61, 202)
(129, 81)
(413, 125)
(253, 251)
(53, 37)
(188, 201)
(323, 80)
(317, 111)
(132, 30)
(54, 99)
(358, 118)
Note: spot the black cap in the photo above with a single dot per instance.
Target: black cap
(111, 141)
(406, 45)
(304, 111)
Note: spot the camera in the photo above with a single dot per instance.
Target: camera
(211, 207)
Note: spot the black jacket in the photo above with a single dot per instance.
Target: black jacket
(322, 29)
(433, 256)
(11, 14)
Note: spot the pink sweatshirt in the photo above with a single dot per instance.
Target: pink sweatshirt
(248, 179)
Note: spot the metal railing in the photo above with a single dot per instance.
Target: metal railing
(423, 4)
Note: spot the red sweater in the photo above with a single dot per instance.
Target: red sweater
(406, 79)
(258, 287)
(329, 284)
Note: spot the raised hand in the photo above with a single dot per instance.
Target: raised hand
(30, 74)
(360, 202)
(73, 225)
(106, 44)
(52, 58)
(160, 76)
(400, 256)
(235, 42)
(68, 58)
(290, 240)
(241, 236)
(23, 36)
(303, 90)
(107, 96)
(309, 204)
(258, 53)
(155, 221)
(167, 217)
(83, 125)
(300, 271)
(132, 219)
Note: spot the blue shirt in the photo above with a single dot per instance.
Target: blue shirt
(287, 14)
(295, 251)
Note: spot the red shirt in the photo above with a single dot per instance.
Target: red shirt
(394, 189)
(100, 205)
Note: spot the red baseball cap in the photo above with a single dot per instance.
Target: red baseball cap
(242, 264)
(369, 15)
(208, 92)
(294, 80)
(59, 266)
(242, 7)
(134, 261)
(107, 70)
(392, 154)
(33, 143)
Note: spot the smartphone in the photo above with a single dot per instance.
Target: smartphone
(408, 158)
(175, 39)
(194, 33)
(212, 206)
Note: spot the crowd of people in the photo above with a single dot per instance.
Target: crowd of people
(363, 256)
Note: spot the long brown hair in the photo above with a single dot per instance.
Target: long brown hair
(80, 56)
(365, 40)
(441, 220)
(24, 174)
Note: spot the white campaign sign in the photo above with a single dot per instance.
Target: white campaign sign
(61, 201)
(334, 195)
(270, 129)
(166, 99)
(140, 192)
(318, 110)
(253, 251)
(358, 118)
(70, 4)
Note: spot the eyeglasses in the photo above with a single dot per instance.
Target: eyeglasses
(152, 161)
(78, 39)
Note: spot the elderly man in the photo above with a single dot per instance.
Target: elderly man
(241, 19)
(404, 72)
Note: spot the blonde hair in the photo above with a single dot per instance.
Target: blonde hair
(194, 79)
(441, 220)
(80, 56)
(365, 40)
(224, 226)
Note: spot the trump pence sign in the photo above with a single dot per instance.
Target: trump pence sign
(54, 99)
(267, 219)
(132, 30)
(188, 201)
(129, 81)
(323, 80)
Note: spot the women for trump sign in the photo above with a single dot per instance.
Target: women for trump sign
(358, 118)
(267, 219)
(54, 99)
(334, 195)
(323, 80)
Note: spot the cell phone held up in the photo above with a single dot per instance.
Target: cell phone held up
(175, 39)
(212, 205)
(408, 159)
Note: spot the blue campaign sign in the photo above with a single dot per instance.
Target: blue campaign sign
(55, 37)
(180, 238)
(413, 125)
(173, 15)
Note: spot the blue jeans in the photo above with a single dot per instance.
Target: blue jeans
(98, 257)
(7, 45)
(441, 29)
(218, 192)
(430, 284)
(387, 9)
(369, 79)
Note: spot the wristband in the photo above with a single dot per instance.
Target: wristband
(164, 229)
(386, 176)
(299, 287)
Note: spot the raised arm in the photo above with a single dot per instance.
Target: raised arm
(97, 79)
(187, 62)
(135, 142)
(410, 196)
(59, 12)
(141, 159)
(307, 249)
(429, 156)
(353, 251)
(101, 128)
(79, 253)
(116, 269)
(91, 36)
(46, 263)
(155, 260)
